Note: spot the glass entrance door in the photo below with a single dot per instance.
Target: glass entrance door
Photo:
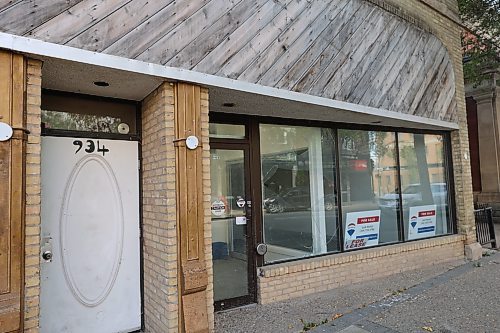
(231, 219)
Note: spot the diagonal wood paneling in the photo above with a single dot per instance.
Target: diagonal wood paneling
(349, 50)
(20, 17)
(78, 18)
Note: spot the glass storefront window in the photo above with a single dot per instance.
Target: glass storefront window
(424, 185)
(369, 185)
(298, 191)
(226, 131)
(392, 187)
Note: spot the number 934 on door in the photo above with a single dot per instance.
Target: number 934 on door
(90, 146)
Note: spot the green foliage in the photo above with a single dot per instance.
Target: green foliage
(307, 326)
(481, 43)
(80, 122)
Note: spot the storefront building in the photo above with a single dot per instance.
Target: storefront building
(164, 160)
(483, 106)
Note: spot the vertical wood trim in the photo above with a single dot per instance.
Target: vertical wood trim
(12, 160)
(193, 279)
(190, 128)
(5, 162)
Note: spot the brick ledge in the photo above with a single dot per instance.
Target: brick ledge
(347, 257)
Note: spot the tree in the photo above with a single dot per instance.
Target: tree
(481, 40)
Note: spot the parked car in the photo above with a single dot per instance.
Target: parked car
(412, 196)
(295, 198)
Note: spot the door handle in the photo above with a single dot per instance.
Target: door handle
(261, 249)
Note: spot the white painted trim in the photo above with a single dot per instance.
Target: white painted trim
(37, 47)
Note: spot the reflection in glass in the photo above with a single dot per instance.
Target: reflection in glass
(298, 185)
(226, 131)
(229, 247)
(423, 180)
(369, 184)
(80, 122)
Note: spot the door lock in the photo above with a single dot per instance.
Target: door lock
(46, 249)
(47, 255)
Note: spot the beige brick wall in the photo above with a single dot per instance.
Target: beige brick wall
(449, 33)
(295, 279)
(159, 211)
(32, 228)
(206, 203)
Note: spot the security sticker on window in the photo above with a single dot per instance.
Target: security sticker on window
(218, 208)
(362, 229)
(240, 202)
(241, 220)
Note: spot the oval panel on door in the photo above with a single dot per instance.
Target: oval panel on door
(91, 230)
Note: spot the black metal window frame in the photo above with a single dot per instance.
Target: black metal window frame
(88, 134)
(252, 123)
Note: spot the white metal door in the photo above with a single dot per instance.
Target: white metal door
(90, 270)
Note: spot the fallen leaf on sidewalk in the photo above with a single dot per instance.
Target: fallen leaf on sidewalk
(427, 328)
(337, 316)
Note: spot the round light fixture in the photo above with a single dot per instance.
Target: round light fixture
(123, 128)
(5, 131)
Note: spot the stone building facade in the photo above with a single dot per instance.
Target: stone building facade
(482, 111)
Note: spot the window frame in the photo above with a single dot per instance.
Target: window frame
(253, 136)
(75, 97)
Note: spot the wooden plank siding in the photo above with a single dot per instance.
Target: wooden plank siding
(190, 214)
(12, 191)
(352, 51)
(78, 18)
(23, 16)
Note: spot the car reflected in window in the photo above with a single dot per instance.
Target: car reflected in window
(295, 198)
(412, 196)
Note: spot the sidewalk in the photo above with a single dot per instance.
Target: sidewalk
(454, 297)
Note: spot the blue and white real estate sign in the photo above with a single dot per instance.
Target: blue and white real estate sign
(362, 229)
(422, 222)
